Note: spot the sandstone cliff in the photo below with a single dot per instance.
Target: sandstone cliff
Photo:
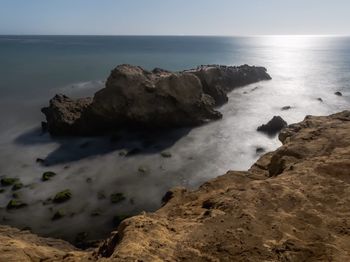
(292, 205)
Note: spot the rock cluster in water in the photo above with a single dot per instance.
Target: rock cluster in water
(134, 96)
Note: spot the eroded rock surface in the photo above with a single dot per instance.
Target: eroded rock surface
(292, 205)
(134, 96)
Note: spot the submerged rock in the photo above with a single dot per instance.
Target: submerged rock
(117, 198)
(58, 214)
(15, 204)
(17, 186)
(275, 125)
(62, 196)
(286, 108)
(48, 175)
(8, 181)
(166, 154)
(338, 93)
(157, 99)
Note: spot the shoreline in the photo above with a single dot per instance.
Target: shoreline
(270, 203)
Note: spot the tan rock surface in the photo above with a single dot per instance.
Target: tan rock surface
(292, 205)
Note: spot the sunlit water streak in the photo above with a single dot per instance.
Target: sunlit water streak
(35, 68)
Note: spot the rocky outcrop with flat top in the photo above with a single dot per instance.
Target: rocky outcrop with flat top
(136, 97)
(293, 204)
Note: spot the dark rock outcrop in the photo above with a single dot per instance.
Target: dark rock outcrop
(218, 80)
(338, 93)
(134, 96)
(275, 125)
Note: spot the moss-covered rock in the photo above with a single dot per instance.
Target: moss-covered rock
(117, 198)
(62, 196)
(17, 186)
(48, 175)
(15, 204)
(58, 214)
(8, 181)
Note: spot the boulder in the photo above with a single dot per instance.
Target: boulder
(275, 125)
(158, 99)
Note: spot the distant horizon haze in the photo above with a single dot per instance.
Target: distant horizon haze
(175, 18)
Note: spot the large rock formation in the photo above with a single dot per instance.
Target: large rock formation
(292, 205)
(134, 96)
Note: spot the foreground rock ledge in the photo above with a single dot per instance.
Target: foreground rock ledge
(134, 96)
(292, 205)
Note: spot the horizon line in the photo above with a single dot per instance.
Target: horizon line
(188, 35)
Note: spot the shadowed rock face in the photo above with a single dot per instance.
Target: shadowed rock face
(134, 96)
(293, 204)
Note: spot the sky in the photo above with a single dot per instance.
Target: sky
(175, 17)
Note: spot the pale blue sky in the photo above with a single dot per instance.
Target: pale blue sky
(175, 17)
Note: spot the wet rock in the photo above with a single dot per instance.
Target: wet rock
(40, 161)
(117, 198)
(89, 180)
(320, 99)
(286, 108)
(143, 170)
(17, 186)
(44, 127)
(123, 153)
(15, 204)
(96, 213)
(166, 154)
(58, 214)
(16, 195)
(275, 125)
(2, 190)
(62, 196)
(260, 150)
(84, 145)
(8, 181)
(48, 175)
(338, 93)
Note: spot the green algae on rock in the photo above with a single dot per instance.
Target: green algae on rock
(62, 196)
(48, 175)
(15, 204)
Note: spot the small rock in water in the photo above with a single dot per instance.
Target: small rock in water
(17, 186)
(143, 170)
(15, 204)
(260, 150)
(48, 175)
(117, 197)
(123, 153)
(338, 93)
(89, 180)
(58, 214)
(62, 196)
(286, 108)
(320, 99)
(8, 181)
(275, 125)
(2, 190)
(15, 195)
(40, 160)
(166, 154)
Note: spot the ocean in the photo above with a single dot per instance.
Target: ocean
(35, 68)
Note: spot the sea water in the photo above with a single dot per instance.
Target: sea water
(34, 68)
